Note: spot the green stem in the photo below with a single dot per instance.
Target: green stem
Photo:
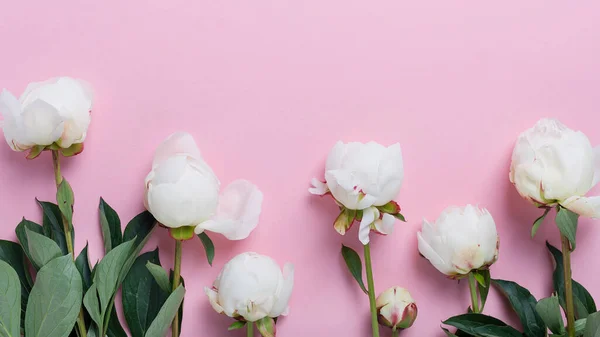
(474, 298)
(570, 312)
(176, 281)
(67, 229)
(371, 286)
(249, 329)
(395, 332)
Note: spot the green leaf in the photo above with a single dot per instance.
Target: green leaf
(42, 249)
(109, 270)
(55, 299)
(10, 301)
(111, 226)
(549, 310)
(523, 304)
(448, 333)
(538, 222)
(65, 199)
(592, 325)
(140, 227)
(266, 326)
(209, 247)
(53, 225)
(142, 296)
(12, 253)
(400, 217)
(580, 326)
(479, 279)
(92, 305)
(484, 286)
(22, 235)
(583, 300)
(160, 276)
(480, 325)
(182, 283)
(82, 262)
(167, 313)
(354, 265)
(567, 224)
(236, 325)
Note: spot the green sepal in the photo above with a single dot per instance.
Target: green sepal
(400, 217)
(182, 233)
(538, 222)
(344, 220)
(391, 207)
(73, 150)
(35, 151)
(266, 327)
(236, 325)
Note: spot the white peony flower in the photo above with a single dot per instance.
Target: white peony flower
(460, 240)
(396, 308)
(53, 114)
(252, 286)
(363, 178)
(182, 190)
(552, 164)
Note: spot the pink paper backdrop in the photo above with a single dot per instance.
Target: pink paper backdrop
(267, 87)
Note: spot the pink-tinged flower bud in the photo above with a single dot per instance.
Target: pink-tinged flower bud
(396, 308)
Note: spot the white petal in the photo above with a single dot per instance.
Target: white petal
(369, 215)
(179, 143)
(213, 298)
(12, 124)
(585, 206)
(385, 225)
(596, 166)
(280, 307)
(319, 187)
(42, 123)
(430, 254)
(238, 211)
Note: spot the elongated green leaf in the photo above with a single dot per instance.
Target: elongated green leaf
(65, 199)
(549, 310)
(165, 316)
(111, 226)
(114, 325)
(182, 283)
(140, 227)
(524, 305)
(12, 253)
(484, 285)
(354, 265)
(42, 249)
(22, 235)
(448, 333)
(82, 262)
(236, 325)
(480, 325)
(160, 276)
(538, 222)
(55, 299)
(92, 305)
(567, 224)
(209, 247)
(53, 225)
(583, 300)
(142, 296)
(10, 301)
(592, 325)
(108, 272)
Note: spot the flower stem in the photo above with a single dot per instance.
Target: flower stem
(371, 286)
(249, 329)
(570, 312)
(474, 298)
(67, 229)
(395, 332)
(176, 281)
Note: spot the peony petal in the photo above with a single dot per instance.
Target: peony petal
(213, 297)
(369, 216)
(10, 108)
(585, 206)
(42, 123)
(280, 307)
(385, 225)
(319, 187)
(596, 166)
(238, 211)
(179, 143)
(430, 254)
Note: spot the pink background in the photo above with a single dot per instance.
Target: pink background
(267, 87)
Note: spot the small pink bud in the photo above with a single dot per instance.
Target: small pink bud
(396, 308)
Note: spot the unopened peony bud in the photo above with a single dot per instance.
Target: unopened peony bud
(396, 308)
